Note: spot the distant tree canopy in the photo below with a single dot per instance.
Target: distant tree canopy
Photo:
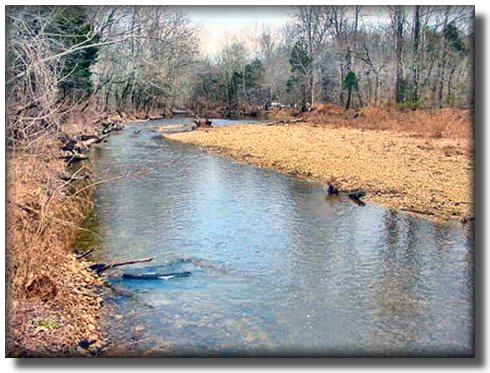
(415, 56)
(143, 59)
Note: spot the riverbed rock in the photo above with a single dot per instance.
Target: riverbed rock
(139, 328)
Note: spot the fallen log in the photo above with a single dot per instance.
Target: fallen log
(84, 137)
(69, 178)
(416, 211)
(155, 276)
(356, 194)
(73, 156)
(111, 126)
(101, 267)
(182, 112)
(94, 140)
(284, 121)
(85, 254)
(358, 201)
(202, 122)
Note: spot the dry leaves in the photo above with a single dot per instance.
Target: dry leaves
(51, 299)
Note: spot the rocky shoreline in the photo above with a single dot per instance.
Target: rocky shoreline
(428, 176)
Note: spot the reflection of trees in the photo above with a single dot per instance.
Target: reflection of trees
(400, 307)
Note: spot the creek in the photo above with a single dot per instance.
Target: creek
(277, 269)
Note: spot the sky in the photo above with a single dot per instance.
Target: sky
(219, 23)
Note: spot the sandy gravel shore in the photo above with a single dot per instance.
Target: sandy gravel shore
(398, 170)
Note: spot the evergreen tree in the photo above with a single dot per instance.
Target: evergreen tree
(73, 29)
(350, 83)
(300, 62)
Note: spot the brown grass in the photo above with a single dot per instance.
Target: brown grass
(51, 299)
(444, 123)
(397, 160)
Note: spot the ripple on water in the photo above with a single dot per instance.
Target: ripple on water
(276, 268)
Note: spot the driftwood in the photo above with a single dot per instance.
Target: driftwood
(284, 121)
(111, 126)
(358, 201)
(91, 139)
(101, 267)
(95, 140)
(69, 178)
(182, 112)
(155, 276)
(73, 149)
(73, 156)
(85, 253)
(354, 195)
(417, 211)
(202, 123)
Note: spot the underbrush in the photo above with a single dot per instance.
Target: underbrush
(441, 123)
(52, 303)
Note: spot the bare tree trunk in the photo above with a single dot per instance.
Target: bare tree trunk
(349, 96)
(442, 65)
(416, 56)
(399, 16)
(359, 97)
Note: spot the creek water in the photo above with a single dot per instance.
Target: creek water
(277, 269)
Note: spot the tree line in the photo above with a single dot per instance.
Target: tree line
(142, 59)
(416, 57)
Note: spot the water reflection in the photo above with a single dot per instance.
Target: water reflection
(276, 268)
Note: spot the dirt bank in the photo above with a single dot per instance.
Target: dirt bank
(399, 169)
(51, 296)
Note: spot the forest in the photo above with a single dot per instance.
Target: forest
(144, 60)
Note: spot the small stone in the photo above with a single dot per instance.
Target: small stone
(139, 328)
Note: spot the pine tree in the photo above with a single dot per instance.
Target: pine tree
(73, 29)
(350, 83)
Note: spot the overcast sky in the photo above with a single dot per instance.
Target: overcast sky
(218, 23)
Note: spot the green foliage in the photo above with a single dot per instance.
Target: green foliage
(350, 81)
(292, 84)
(47, 324)
(253, 73)
(404, 90)
(412, 105)
(451, 99)
(451, 35)
(299, 59)
(455, 213)
(301, 67)
(73, 28)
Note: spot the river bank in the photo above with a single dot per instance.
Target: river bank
(431, 175)
(53, 302)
